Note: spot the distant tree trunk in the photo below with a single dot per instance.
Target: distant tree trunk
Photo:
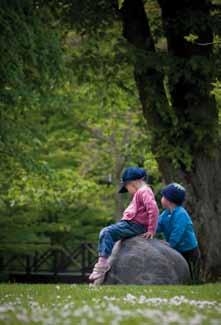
(185, 131)
(120, 161)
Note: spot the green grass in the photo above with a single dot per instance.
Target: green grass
(80, 304)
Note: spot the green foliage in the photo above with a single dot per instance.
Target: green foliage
(30, 53)
(31, 59)
(57, 207)
(120, 3)
(71, 120)
(217, 93)
(191, 38)
(64, 144)
(82, 15)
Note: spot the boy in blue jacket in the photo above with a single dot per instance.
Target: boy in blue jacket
(176, 225)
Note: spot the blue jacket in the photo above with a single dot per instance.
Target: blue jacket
(177, 228)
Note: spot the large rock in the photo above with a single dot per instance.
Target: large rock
(140, 261)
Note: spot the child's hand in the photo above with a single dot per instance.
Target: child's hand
(148, 235)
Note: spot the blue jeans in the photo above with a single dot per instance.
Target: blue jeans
(111, 234)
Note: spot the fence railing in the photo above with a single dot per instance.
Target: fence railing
(53, 264)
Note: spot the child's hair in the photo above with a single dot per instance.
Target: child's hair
(174, 193)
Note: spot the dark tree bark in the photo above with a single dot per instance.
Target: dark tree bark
(185, 133)
(149, 79)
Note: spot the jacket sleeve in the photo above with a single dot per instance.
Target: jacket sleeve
(152, 210)
(178, 228)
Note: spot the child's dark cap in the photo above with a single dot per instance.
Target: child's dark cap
(131, 174)
(174, 193)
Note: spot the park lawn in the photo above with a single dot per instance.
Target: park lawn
(81, 304)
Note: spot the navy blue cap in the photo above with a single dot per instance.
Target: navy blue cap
(174, 193)
(131, 174)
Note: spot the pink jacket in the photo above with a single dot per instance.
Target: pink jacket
(143, 209)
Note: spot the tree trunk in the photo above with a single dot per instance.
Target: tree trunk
(205, 206)
(203, 184)
(185, 133)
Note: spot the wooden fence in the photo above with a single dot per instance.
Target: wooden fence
(51, 265)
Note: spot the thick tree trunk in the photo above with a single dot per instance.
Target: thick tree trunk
(195, 107)
(205, 206)
(184, 140)
(203, 184)
(191, 73)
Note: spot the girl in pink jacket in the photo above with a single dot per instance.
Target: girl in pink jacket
(140, 217)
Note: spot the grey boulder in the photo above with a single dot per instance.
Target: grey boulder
(139, 261)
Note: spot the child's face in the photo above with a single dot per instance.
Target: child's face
(131, 187)
(165, 203)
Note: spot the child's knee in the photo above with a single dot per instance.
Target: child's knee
(103, 232)
(108, 231)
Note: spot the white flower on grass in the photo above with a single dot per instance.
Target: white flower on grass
(215, 322)
(83, 321)
(85, 310)
(23, 317)
(177, 300)
(6, 307)
(109, 298)
(117, 311)
(197, 320)
(130, 298)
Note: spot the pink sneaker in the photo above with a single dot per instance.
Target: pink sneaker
(99, 272)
